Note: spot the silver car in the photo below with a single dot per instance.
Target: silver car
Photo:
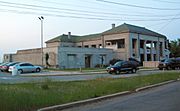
(25, 67)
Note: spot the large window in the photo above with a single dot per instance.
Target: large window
(121, 43)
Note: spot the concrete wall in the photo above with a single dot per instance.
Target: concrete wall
(53, 56)
(80, 54)
(52, 44)
(34, 56)
(122, 53)
(150, 64)
(90, 43)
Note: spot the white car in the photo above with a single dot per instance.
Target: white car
(25, 67)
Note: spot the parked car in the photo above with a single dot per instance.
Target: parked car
(138, 63)
(2, 66)
(171, 63)
(6, 66)
(122, 66)
(25, 67)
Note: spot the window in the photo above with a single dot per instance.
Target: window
(113, 42)
(26, 64)
(93, 46)
(86, 46)
(108, 43)
(121, 43)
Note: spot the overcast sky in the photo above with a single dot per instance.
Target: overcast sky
(20, 26)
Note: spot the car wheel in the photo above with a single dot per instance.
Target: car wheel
(20, 71)
(38, 70)
(160, 68)
(117, 72)
(168, 67)
(133, 70)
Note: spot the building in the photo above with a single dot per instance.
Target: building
(121, 42)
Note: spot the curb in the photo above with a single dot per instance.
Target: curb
(83, 102)
(43, 75)
(78, 103)
(154, 85)
(69, 74)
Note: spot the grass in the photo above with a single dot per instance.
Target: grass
(31, 96)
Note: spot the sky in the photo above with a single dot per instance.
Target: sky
(20, 26)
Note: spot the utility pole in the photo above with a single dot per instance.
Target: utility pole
(41, 19)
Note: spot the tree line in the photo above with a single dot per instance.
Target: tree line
(174, 47)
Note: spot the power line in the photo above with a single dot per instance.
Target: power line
(169, 22)
(165, 1)
(57, 3)
(72, 11)
(137, 6)
(142, 15)
(81, 17)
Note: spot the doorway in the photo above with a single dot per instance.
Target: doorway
(87, 61)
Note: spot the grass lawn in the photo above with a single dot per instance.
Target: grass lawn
(32, 96)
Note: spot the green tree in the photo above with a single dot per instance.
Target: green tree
(175, 48)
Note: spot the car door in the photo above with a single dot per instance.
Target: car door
(23, 67)
(30, 67)
(124, 66)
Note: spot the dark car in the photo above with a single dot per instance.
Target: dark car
(138, 63)
(3, 65)
(123, 66)
(171, 63)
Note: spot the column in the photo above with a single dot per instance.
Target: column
(157, 50)
(138, 48)
(145, 51)
(152, 55)
(163, 48)
(130, 47)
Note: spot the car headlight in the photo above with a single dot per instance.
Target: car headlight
(112, 68)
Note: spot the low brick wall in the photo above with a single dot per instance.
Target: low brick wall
(150, 63)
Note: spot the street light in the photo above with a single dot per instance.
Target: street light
(41, 19)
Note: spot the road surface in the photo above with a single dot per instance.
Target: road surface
(163, 98)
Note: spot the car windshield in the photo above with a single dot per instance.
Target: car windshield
(163, 60)
(118, 63)
(166, 60)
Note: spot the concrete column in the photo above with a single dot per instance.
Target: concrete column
(103, 42)
(157, 50)
(145, 51)
(130, 47)
(163, 48)
(138, 48)
(152, 55)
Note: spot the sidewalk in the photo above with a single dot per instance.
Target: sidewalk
(70, 73)
(64, 73)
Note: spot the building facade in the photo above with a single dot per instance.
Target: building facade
(121, 42)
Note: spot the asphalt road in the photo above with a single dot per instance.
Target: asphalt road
(163, 98)
(8, 78)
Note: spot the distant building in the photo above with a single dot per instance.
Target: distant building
(121, 42)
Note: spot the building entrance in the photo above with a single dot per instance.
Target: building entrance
(87, 61)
